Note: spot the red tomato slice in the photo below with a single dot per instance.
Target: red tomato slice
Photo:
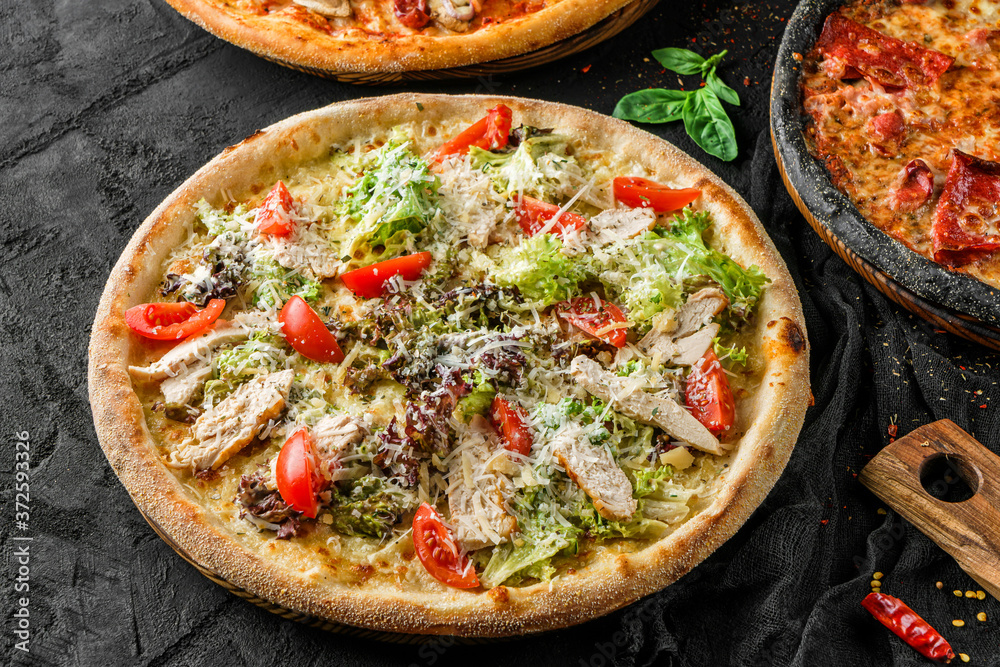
(295, 473)
(172, 321)
(275, 215)
(533, 214)
(583, 313)
(369, 281)
(644, 193)
(510, 421)
(437, 550)
(305, 332)
(488, 133)
(708, 394)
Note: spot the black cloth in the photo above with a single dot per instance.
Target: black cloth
(106, 107)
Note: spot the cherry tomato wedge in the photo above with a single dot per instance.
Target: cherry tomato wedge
(369, 281)
(305, 332)
(533, 214)
(708, 395)
(437, 550)
(172, 321)
(594, 318)
(295, 473)
(644, 193)
(488, 133)
(510, 421)
(275, 215)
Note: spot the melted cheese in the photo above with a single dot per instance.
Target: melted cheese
(961, 111)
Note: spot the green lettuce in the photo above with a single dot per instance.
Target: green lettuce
(651, 273)
(539, 270)
(393, 201)
(263, 353)
(273, 284)
(368, 506)
(538, 167)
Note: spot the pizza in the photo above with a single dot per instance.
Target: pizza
(394, 35)
(900, 108)
(433, 364)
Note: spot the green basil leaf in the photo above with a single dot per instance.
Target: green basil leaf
(652, 106)
(721, 90)
(707, 123)
(708, 67)
(681, 61)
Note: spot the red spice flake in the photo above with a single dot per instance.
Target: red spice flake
(746, 81)
(824, 521)
(586, 69)
(893, 429)
(983, 406)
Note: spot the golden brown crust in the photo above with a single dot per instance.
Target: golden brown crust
(773, 415)
(297, 43)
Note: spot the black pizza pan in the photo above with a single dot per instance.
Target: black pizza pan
(951, 301)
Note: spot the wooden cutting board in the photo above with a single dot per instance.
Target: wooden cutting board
(968, 530)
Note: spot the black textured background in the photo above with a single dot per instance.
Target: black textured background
(105, 107)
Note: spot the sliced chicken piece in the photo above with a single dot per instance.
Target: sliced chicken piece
(679, 351)
(184, 387)
(229, 427)
(330, 8)
(622, 223)
(637, 404)
(691, 348)
(190, 351)
(595, 471)
(333, 437)
(699, 310)
(478, 492)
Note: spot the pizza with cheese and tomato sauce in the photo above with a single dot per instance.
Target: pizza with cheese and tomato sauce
(903, 111)
(394, 35)
(435, 364)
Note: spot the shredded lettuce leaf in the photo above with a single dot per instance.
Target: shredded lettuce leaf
(273, 284)
(539, 269)
(651, 273)
(538, 167)
(393, 200)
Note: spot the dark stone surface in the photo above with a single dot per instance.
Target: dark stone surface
(108, 106)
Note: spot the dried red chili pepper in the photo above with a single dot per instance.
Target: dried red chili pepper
(908, 626)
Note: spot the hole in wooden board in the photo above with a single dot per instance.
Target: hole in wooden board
(949, 478)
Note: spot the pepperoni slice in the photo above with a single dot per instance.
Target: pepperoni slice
(966, 223)
(886, 132)
(858, 50)
(412, 13)
(915, 187)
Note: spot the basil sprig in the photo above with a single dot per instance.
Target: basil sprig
(705, 120)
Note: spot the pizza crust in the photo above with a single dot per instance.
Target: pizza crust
(772, 417)
(294, 42)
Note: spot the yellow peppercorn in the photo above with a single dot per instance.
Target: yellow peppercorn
(876, 583)
(970, 594)
(939, 585)
(877, 575)
(958, 622)
(958, 594)
(981, 616)
(964, 657)
(981, 595)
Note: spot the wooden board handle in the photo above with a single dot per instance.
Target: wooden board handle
(968, 530)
